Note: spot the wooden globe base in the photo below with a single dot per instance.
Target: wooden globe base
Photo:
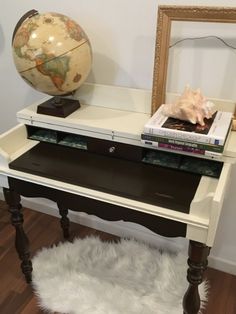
(58, 107)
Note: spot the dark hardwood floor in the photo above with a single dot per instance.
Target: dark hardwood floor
(44, 230)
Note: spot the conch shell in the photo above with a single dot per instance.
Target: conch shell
(191, 106)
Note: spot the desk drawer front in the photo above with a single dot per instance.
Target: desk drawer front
(95, 145)
(115, 149)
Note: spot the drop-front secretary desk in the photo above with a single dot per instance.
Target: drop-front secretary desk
(93, 161)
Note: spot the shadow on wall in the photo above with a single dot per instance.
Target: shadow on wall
(106, 71)
(194, 62)
(142, 61)
(31, 95)
(2, 41)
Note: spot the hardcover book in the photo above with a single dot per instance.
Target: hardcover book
(213, 132)
(185, 149)
(152, 139)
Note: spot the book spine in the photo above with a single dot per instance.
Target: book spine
(184, 136)
(180, 148)
(173, 141)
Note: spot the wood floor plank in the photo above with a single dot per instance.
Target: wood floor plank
(44, 230)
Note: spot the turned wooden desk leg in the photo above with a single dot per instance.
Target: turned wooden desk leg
(197, 262)
(21, 240)
(65, 222)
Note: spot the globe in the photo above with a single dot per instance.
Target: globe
(51, 52)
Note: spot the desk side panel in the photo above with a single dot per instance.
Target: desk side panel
(14, 143)
(208, 204)
(217, 204)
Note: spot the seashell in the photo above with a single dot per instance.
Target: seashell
(191, 106)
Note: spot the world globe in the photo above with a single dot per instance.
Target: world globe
(51, 52)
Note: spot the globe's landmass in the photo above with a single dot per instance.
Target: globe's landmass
(52, 53)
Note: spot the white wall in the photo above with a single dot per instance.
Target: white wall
(207, 63)
(122, 34)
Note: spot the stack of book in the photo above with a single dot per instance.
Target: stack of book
(181, 136)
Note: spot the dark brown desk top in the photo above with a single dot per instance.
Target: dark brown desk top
(156, 185)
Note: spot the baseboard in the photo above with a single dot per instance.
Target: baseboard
(124, 229)
(222, 264)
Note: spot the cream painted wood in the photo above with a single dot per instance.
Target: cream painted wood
(4, 158)
(122, 126)
(230, 149)
(197, 234)
(208, 203)
(201, 203)
(204, 209)
(217, 202)
(120, 98)
(114, 124)
(90, 120)
(3, 181)
(14, 143)
(106, 112)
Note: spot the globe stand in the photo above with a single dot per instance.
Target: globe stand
(58, 106)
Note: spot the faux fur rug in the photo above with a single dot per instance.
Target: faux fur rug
(94, 277)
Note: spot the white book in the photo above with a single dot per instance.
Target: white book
(214, 131)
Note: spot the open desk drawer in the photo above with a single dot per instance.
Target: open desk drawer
(190, 199)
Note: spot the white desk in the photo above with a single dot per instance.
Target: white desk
(120, 128)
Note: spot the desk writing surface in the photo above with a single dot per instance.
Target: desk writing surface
(160, 186)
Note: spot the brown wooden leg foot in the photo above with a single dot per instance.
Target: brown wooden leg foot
(197, 262)
(65, 222)
(21, 240)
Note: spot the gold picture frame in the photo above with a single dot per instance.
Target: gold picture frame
(167, 14)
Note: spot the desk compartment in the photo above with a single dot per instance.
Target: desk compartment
(211, 168)
(95, 145)
(56, 137)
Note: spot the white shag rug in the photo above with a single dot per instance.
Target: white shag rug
(89, 276)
